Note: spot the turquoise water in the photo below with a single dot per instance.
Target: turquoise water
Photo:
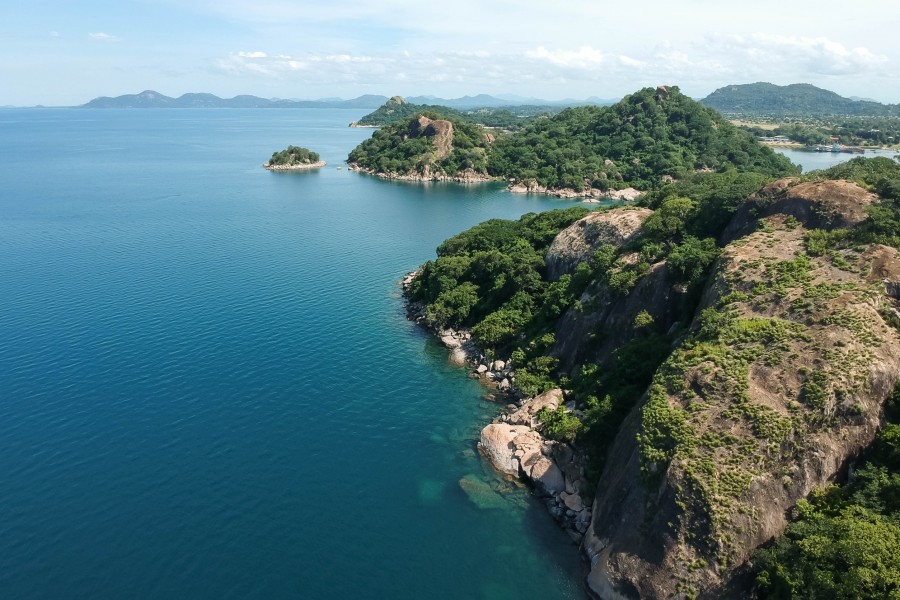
(810, 161)
(208, 388)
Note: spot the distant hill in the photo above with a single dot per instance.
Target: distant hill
(647, 138)
(794, 99)
(506, 117)
(151, 99)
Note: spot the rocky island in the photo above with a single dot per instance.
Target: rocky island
(294, 158)
(689, 378)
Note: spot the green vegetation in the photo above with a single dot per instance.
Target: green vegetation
(636, 142)
(844, 541)
(511, 119)
(775, 319)
(405, 147)
(882, 176)
(650, 137)
(294, 155)
(795, 100)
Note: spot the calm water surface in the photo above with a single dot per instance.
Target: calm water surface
(822, 160)
(208, 388)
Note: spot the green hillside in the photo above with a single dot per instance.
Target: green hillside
(795, 99)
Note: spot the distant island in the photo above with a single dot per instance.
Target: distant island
(294, 158)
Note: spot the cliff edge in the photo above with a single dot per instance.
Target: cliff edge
(778, 384)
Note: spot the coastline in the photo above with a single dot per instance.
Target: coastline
(298, 167)
(512, 442)
(465, 177)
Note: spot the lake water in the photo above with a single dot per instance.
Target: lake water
(810, 161)
(208, 388)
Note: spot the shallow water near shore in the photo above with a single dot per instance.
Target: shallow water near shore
(208, 387)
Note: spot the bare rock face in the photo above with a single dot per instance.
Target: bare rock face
(496, 444)
(782, 383)
(611, 318)
(814, 204)
(527, 413)
(397, 100)
(577, 242)
(440, 130)
(515, 448)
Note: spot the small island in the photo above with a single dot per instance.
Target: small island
(294, 158)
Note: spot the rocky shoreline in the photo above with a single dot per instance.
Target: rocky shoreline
(298, 167)
(512, 443)
(464, 177)
(589, 195)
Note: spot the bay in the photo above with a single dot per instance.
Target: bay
(208, 387)
(811, 161)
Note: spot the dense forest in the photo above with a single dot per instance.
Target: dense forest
(405, 147)
(844, 541)
(649, 137)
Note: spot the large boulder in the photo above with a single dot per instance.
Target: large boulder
(577, 242)
(496, 444)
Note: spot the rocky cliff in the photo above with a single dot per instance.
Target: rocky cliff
(777, 385)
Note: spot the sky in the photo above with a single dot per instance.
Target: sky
(66, 52)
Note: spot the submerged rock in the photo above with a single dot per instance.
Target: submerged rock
(482, 494)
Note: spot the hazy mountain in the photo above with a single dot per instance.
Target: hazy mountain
(151, 99)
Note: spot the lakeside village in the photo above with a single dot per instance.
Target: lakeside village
(836, 146)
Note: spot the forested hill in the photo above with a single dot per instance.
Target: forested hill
(509, 118)
(647, 138)
(795, 99)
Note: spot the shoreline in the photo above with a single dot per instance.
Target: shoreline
(298, 167)
(512, 443)
(590, 195)
(466, 177)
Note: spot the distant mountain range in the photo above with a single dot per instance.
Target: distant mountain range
(151, 99)
(795, 99)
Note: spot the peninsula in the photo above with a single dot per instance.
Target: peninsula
(294, 158)
(648, 138)
(692, 375)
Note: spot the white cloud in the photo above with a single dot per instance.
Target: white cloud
(772, 53)
(584, 57)
(104, 37)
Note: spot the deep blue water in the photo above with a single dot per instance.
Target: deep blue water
(208, 388)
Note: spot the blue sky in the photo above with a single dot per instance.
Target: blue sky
(65, 52)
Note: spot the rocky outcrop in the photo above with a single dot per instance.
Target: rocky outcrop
(466, 176)
(514, 446)
(440, 130)
(578, 242)
(295, 167)
(782, 385)
(590, 194)
(814, 204)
